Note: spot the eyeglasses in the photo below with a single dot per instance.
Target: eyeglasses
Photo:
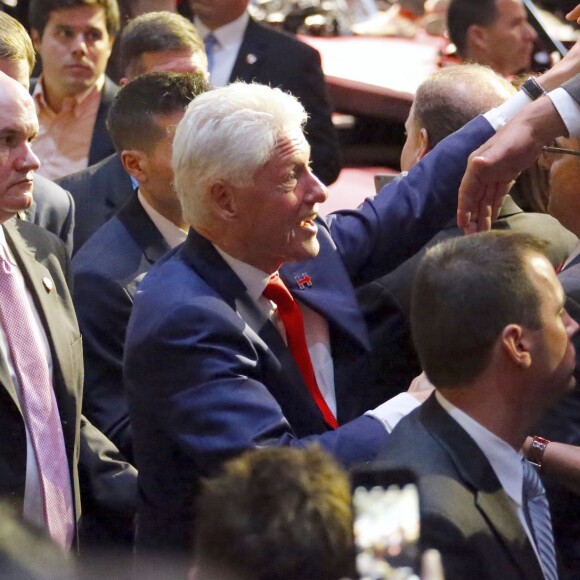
(560, 150)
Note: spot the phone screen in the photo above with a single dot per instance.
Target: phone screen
(386, 526)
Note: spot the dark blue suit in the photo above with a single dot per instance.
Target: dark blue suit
(209, 376)
(106, 272)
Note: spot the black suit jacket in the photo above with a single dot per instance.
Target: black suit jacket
(106, 272)
(53, 209)
(108, 484)
(386, 302)
(274, 58)
(465, 513)
(98, 191)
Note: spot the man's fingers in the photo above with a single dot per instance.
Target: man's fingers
(574, 14)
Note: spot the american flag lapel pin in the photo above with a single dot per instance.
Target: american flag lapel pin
(303, 280)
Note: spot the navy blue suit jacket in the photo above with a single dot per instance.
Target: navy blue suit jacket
(209, 376)
(106, 272)
(99, 191)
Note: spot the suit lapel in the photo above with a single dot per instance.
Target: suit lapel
(490, 498)
(251, 54)
(331, 293)
(208, 263)
(142, 229)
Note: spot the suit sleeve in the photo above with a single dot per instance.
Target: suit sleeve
(198, 378)
(408, 212)
(103, 308)
(573, 88)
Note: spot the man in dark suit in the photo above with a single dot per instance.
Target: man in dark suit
(206, 365)
(493, 336)
(72, 95)
(39, 264)
(52, 207)
(249, 51)
(443, 103)
(108, 268)
(157, 41)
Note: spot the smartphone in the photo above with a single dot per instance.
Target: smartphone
(386, 523)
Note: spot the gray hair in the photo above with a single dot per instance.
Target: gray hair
(226, 135)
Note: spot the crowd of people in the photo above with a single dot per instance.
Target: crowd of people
(192, 358)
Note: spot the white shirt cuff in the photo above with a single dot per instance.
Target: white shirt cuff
(569, 110)
(393, 410)
(505, 112)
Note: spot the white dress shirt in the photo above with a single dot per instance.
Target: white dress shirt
(171, 233)
(318, 342)
(229, 39)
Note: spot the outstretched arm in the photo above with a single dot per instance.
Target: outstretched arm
(515, 146)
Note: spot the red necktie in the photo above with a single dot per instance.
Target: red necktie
(291, 316)
(39, 406)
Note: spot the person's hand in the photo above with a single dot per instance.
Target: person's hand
(421, 387)
(492, 168)
(574, 14)
(431, 566)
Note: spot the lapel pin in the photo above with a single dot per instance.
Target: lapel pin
(251, 58)
(303, 280)
(47, 283)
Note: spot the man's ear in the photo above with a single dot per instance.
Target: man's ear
(36, 39)
(135, 164)
(223, 200)
(423, 145)
(477, 37)
(517, 345)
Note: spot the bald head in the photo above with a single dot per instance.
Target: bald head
(18, 127)
(446, 101)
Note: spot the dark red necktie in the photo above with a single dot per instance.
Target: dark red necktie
(291, 316)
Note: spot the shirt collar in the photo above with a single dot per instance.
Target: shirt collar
(172, 234)
(254, 279)
(39, 95)
(230, 34)
(503, 458)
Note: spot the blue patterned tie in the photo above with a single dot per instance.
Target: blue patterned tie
(210, 42)
(538, 512)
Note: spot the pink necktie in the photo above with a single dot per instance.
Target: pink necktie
(40, 410)
(291, 316)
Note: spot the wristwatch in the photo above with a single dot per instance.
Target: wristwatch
(532, 88)
(536, 451)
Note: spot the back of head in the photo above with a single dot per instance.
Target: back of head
(462, 14)
(39, 12)
(276, 514)
(155, 32)
(466, 291)
(227, 134)
(131, 119)
(15, 44)
(453, 96)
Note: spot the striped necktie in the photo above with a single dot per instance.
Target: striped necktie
(538, 516)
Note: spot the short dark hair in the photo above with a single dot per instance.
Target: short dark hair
(466, 291)
(39, 12)
(131, 120)
(462, 14)
(277, 514)
(15, 44)
(155, 32)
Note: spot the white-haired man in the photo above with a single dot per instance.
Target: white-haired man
(220, 356)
